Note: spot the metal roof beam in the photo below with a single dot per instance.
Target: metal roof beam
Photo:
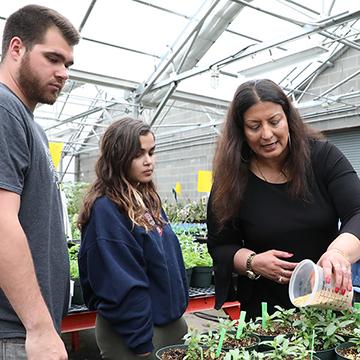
(121, 47)
(256, 48)
(179, 44)
(103, 80)
(88, 12)
(340, 39)
(109, 81)
(356, 73)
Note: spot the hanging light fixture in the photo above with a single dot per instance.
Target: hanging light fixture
(214, 78)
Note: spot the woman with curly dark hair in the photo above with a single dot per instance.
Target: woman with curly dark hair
(279, 192)
(130, 261)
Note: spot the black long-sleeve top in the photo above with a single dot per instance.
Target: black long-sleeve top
(269, 218)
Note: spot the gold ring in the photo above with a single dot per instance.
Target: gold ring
(280, 279)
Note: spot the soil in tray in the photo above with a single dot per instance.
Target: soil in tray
(274, 330)
(179, 354)
(292, 358)
(349, 353)
(230, 343)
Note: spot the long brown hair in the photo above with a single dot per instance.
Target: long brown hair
(119, 146)
(233, 154)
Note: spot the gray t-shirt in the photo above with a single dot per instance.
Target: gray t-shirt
(26, 169)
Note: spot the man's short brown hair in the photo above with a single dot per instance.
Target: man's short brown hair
(30, 24)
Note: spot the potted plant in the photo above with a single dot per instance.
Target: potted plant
(199, 231)
(73, 250)
(351, 321)
(282, 348)
(242, 354)
(197, 210)
(319, 327)
(191, 350)
(193, 212)
(278, 323)
(203, 270)
(197, 259)
(187, 248)
(245, 340)
(74, 192)
(351, 349)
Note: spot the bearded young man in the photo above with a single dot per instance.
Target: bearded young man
(37, 49)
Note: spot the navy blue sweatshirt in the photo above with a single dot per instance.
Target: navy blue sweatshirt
(133, 278)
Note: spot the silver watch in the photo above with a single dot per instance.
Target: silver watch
(249, 270)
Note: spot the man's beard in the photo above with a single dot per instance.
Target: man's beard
(30, 85)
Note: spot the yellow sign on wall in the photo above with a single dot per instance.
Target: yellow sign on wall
(204, 181)
(55, 149)
(178, 188)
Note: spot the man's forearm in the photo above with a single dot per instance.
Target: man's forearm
(18, 279)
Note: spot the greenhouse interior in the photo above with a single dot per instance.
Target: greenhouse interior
(177, 65)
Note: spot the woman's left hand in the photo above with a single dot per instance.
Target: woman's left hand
(336, 265)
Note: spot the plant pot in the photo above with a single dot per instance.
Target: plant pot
(265, 347)
(71, 292)
(201, 276)
(252, 347)
(343, 346)
(328, 354)
(188, 275)
(201, 239)
(229, 343)
(77, 298)
(181, 354)
(314, 357)
(163, 350)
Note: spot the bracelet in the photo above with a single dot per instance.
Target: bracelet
(339, 252)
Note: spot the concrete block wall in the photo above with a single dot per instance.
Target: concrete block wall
(343, 114)
(179, 154)
(182, 167)
(86, 167)
(347, 64)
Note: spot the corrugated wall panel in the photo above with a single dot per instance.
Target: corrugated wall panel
(348, 141)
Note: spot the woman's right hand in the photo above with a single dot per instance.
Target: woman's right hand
(272, 265)
(143, 355)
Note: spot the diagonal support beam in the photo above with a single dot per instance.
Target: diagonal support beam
(192, 28)
(249, 51)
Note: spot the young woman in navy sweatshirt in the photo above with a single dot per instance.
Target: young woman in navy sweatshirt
(131, 266)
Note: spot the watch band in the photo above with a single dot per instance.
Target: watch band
(249, 270)
(249, 260)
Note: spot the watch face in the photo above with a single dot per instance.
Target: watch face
(250, 274)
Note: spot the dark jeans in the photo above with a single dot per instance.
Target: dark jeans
(12, 349)
(112, 347)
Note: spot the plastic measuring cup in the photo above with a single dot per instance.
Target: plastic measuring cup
(307, 287)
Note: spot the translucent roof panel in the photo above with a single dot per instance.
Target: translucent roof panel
(134, 26)
(73, 10)
(136, 56)
(107, 60)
